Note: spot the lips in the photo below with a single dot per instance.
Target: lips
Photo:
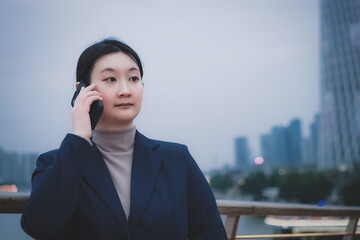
(123, 105)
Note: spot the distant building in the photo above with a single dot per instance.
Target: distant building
(311, 144)
(8, 166)
(314, 138)
(339, 139)
(16, 168)
(280, 139)
(267, 149)
(283, 146)
(307, 152)
(28, 166)
(294, 143)
(241, 152)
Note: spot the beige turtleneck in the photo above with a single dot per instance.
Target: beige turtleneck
(117, 148)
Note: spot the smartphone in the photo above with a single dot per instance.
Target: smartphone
(96, 107)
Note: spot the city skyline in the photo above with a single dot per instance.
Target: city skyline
(242, 140)
(281, 146)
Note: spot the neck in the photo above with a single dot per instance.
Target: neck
(115, 141)
(113, 127)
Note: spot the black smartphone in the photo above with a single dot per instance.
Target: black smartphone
(96, 107)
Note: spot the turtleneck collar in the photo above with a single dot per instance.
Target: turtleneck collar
(115, 141)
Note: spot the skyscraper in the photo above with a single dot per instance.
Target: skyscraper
(280, 137)
(314, 138)
(294, 142)
(340, 79)
(310, 144)
(241, 152)
(283, 146)
(268, 149)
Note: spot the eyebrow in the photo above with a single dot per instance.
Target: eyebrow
(133, 69)
(107, 70)
(113, 70)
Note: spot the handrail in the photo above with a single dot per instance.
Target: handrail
(235, 209)
(15, 203)
(228, 207)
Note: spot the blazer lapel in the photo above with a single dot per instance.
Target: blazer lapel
(145, 167)
(98, 176)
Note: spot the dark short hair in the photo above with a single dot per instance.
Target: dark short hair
(89, 56)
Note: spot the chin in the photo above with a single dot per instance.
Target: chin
(117, 120)
(125, 120)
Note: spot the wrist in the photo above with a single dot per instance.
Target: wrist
(82, 134)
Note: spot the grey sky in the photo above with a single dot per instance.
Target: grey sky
(214, 70)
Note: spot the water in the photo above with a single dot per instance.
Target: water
(10, 228)
(253, 225)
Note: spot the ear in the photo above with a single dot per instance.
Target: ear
(77, 85)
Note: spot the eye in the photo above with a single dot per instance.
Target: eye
(110, 79)
(134, 79)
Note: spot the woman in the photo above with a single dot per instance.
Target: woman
(113, 182)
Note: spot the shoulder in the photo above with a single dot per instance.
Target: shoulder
(160, 144)
(163, 146)
(171, 146)
(171, 150)
(46, 159)
(49, 154)
(71, 143)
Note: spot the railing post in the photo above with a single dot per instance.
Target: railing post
(231, 226)
(351, 228)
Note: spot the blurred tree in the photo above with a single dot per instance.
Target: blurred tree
(308, 187)
(350, 192)
(221, 181)
(254, 185)
(274, 179)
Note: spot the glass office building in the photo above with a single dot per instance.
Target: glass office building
(339, 142)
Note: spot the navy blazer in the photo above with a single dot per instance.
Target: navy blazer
(73, 195)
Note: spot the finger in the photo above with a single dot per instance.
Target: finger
(90, 87)
(91, 99)
(85, 104)
(84, 93)
(86, 89)
(81, 93)
(92, 93)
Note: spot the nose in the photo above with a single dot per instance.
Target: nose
(123, 89)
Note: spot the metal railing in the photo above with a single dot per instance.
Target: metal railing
(233, 210)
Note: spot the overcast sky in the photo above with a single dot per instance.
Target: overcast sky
(214, 70)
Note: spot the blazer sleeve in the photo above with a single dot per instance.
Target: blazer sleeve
(204, 221)
(55, 184)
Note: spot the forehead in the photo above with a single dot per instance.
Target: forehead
(117, 61)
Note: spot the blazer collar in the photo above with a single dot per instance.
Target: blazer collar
(146, 164)
(145, 167)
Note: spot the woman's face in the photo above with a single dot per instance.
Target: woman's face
(118, 80)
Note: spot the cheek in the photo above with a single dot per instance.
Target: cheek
(139, 95)
(106, 97)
